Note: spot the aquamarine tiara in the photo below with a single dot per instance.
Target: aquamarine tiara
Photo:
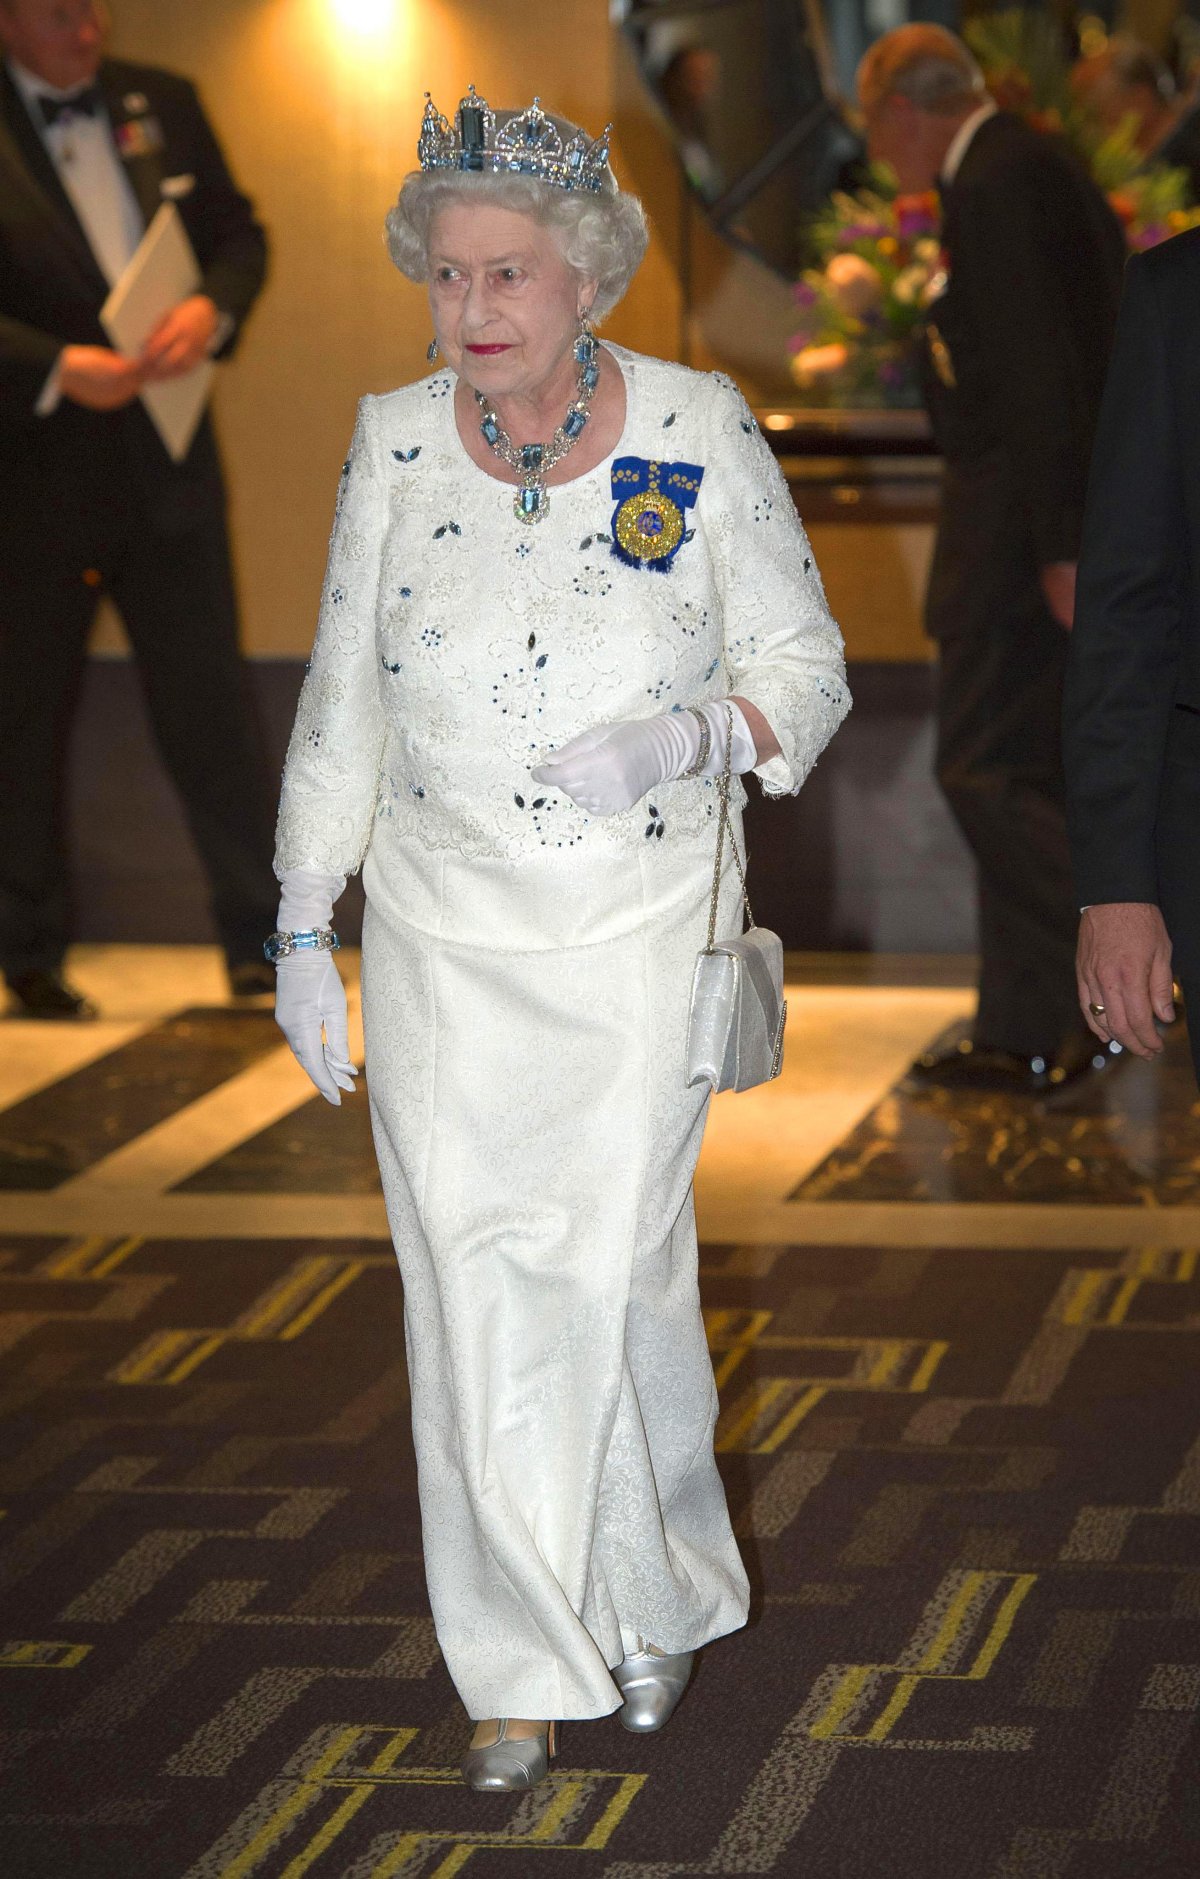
(525, 143)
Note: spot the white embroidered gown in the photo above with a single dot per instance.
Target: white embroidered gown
(526, 973)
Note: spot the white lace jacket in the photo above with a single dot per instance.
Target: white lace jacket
(458, 647)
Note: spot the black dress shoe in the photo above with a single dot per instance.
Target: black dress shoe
(968, 1066)
(42, 994)
(252, 978)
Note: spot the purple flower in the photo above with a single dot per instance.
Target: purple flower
(804, 294)
(913, 223)
(863, 231)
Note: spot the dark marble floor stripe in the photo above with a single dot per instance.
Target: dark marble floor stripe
(1127, 1137)
(63, 1129)
(315, 1150)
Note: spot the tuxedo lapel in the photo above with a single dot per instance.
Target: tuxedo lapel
(25, 155)
(139, 140)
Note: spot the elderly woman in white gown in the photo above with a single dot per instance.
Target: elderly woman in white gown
(553, 565)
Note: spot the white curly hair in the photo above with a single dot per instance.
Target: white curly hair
(602, 233)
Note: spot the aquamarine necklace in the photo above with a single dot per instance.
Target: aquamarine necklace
(534, 461)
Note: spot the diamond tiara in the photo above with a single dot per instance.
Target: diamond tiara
(524, 143)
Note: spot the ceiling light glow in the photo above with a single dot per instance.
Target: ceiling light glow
(365, 16)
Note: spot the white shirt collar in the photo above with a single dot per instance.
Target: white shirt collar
(964, 136)
(31, 87)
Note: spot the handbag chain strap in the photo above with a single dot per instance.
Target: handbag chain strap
(725, 826)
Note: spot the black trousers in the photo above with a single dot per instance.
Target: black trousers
(1178, 845)
(1002, 659)
(174, 589)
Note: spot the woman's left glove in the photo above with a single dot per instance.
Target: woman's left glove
(310, 998)
(612, 766)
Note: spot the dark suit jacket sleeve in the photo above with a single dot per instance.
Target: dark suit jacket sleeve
(230, 242)
(27, 358)
(1124, 654)
(1004, 266)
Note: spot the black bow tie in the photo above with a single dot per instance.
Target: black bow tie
(84, 104)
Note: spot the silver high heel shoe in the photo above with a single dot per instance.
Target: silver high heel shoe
(509, 1763)
(652, 1686)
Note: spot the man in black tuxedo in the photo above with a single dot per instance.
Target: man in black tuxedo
(1016, 351)
(93, 504)
(1132, 709)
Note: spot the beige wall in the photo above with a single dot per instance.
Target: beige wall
(320, 124)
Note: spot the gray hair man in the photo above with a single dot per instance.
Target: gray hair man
(1017, 345)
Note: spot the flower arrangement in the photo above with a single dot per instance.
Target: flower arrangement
(859, 311)
(1150, 200)
(878, 262)
(1023, 62)
(1021, 56)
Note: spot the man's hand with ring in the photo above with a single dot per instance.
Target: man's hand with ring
(1123, 970)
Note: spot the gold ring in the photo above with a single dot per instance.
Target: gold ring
(1097, 1011)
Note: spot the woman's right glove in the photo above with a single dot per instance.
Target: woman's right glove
(612, 766)
(309, 995)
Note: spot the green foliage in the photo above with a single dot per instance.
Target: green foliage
(1024, 48)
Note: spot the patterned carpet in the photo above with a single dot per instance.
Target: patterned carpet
(967, 1481)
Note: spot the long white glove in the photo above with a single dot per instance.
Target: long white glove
(309, 994)
(612, 766)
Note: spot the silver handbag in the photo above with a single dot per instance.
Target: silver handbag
(738, 1011)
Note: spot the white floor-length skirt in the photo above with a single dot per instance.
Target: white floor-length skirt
(525, 1028)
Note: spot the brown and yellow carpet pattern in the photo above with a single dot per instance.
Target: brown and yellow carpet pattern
(967, 1481)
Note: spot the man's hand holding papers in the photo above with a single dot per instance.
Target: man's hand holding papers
(182, 339)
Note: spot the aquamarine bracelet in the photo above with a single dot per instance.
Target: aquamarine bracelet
(315, 939)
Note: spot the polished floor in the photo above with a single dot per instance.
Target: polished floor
(956, 1345)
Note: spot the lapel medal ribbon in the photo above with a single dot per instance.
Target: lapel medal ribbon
(139, 137)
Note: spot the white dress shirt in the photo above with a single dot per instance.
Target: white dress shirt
(84, 154)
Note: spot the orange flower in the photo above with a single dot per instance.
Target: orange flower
(1011, 88)
(854, 284)
(919, 202)
(1124, 206)
(815, 363)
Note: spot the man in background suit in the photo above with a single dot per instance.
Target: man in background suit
(93, 504)
(1017, 347)
(1132, 709)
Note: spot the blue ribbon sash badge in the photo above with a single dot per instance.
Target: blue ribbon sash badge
(652, 500)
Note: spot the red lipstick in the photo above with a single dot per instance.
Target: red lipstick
(488, 352)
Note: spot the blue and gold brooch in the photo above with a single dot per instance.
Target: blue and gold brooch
(652, 500)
